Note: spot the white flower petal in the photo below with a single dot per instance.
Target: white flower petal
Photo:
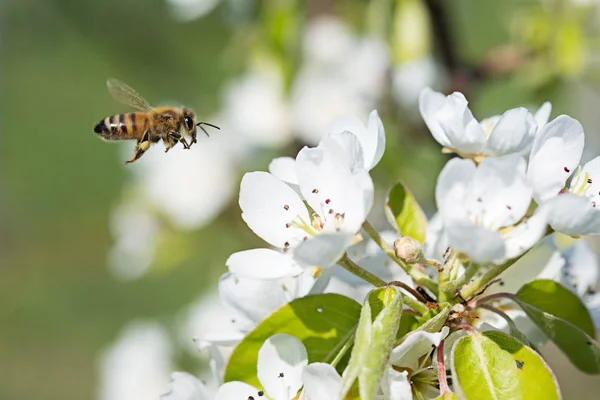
(526, 235)
(453, 185)
(541, 262)
(236, 391)
(462, 129)
(395, 385)
(555, 154)
(284, 169)
(582, 267)
(281, 360)
(251, 298)
(261, 264)
(513, 133)
(321, 382)
(334, 182)
(573, 215)
(542, 115)
(479, 243)
(430, 102)
(436, 240)
(499, 194)
(591, 172)
(184, 386)
(323, 250)
(416, 345)
(268, 205)
(376, 133)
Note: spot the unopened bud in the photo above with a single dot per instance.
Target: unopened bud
(409, 250)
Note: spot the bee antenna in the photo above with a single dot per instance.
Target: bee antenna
(206, 123)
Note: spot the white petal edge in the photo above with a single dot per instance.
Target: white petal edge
(395, 385)
(573, 215)
(430, 102)
(184, 386)
(268, 204)
(323, 250)
(554, 156)
(262, 264)
(236, 391)
(542, 115)
(281, 360)
(321, 382)
(416, 345)
(513, 133)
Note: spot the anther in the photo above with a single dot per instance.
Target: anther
(327, 201)
(286, 244)
(281, 374)
(315, 191)
(593, 204)
(479, 200)
(261, 393)
(589, 180)
(250, 398)
(566, 169)
(305, 238)
(331, 211)
(286, 207)
(509, 207)
(287, 225)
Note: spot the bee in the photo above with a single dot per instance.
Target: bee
(150, 124)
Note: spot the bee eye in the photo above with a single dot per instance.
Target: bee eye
(188, 122)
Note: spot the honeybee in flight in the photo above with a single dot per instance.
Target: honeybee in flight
(150, 125)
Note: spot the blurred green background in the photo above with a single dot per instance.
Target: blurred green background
(60, 306)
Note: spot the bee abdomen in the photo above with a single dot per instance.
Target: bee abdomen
(116, 127)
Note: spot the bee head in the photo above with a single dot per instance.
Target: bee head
(189, 120)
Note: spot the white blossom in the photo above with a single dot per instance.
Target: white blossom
(137, 365)
(480, 204)
(453, 126)
(554, 159)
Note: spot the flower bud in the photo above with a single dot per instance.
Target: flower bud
(409, 250)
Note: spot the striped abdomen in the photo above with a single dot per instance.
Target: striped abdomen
(123, 126)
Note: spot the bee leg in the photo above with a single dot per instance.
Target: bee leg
(140, 148)
(185, 143)
(193, 140)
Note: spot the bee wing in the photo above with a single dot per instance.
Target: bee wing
(123, 93)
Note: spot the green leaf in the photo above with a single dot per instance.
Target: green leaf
(493, 365)
(404, 213)
(551, 297)
(321, 322)
(375, 337)
(434, 324)
(558, 321)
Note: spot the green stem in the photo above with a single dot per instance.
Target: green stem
(417, 275)
(414, 304)
(456, 284)
(472, 288)
(359, 271)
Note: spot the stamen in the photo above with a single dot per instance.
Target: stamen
(566, 169)
(327, 201)
(331, 211)
(589, 180)
(281, 374)
(286, 207)
(261, 393)
(315, 191)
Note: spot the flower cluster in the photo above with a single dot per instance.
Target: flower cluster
(508, 209)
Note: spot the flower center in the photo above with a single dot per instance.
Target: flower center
(581, 183)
